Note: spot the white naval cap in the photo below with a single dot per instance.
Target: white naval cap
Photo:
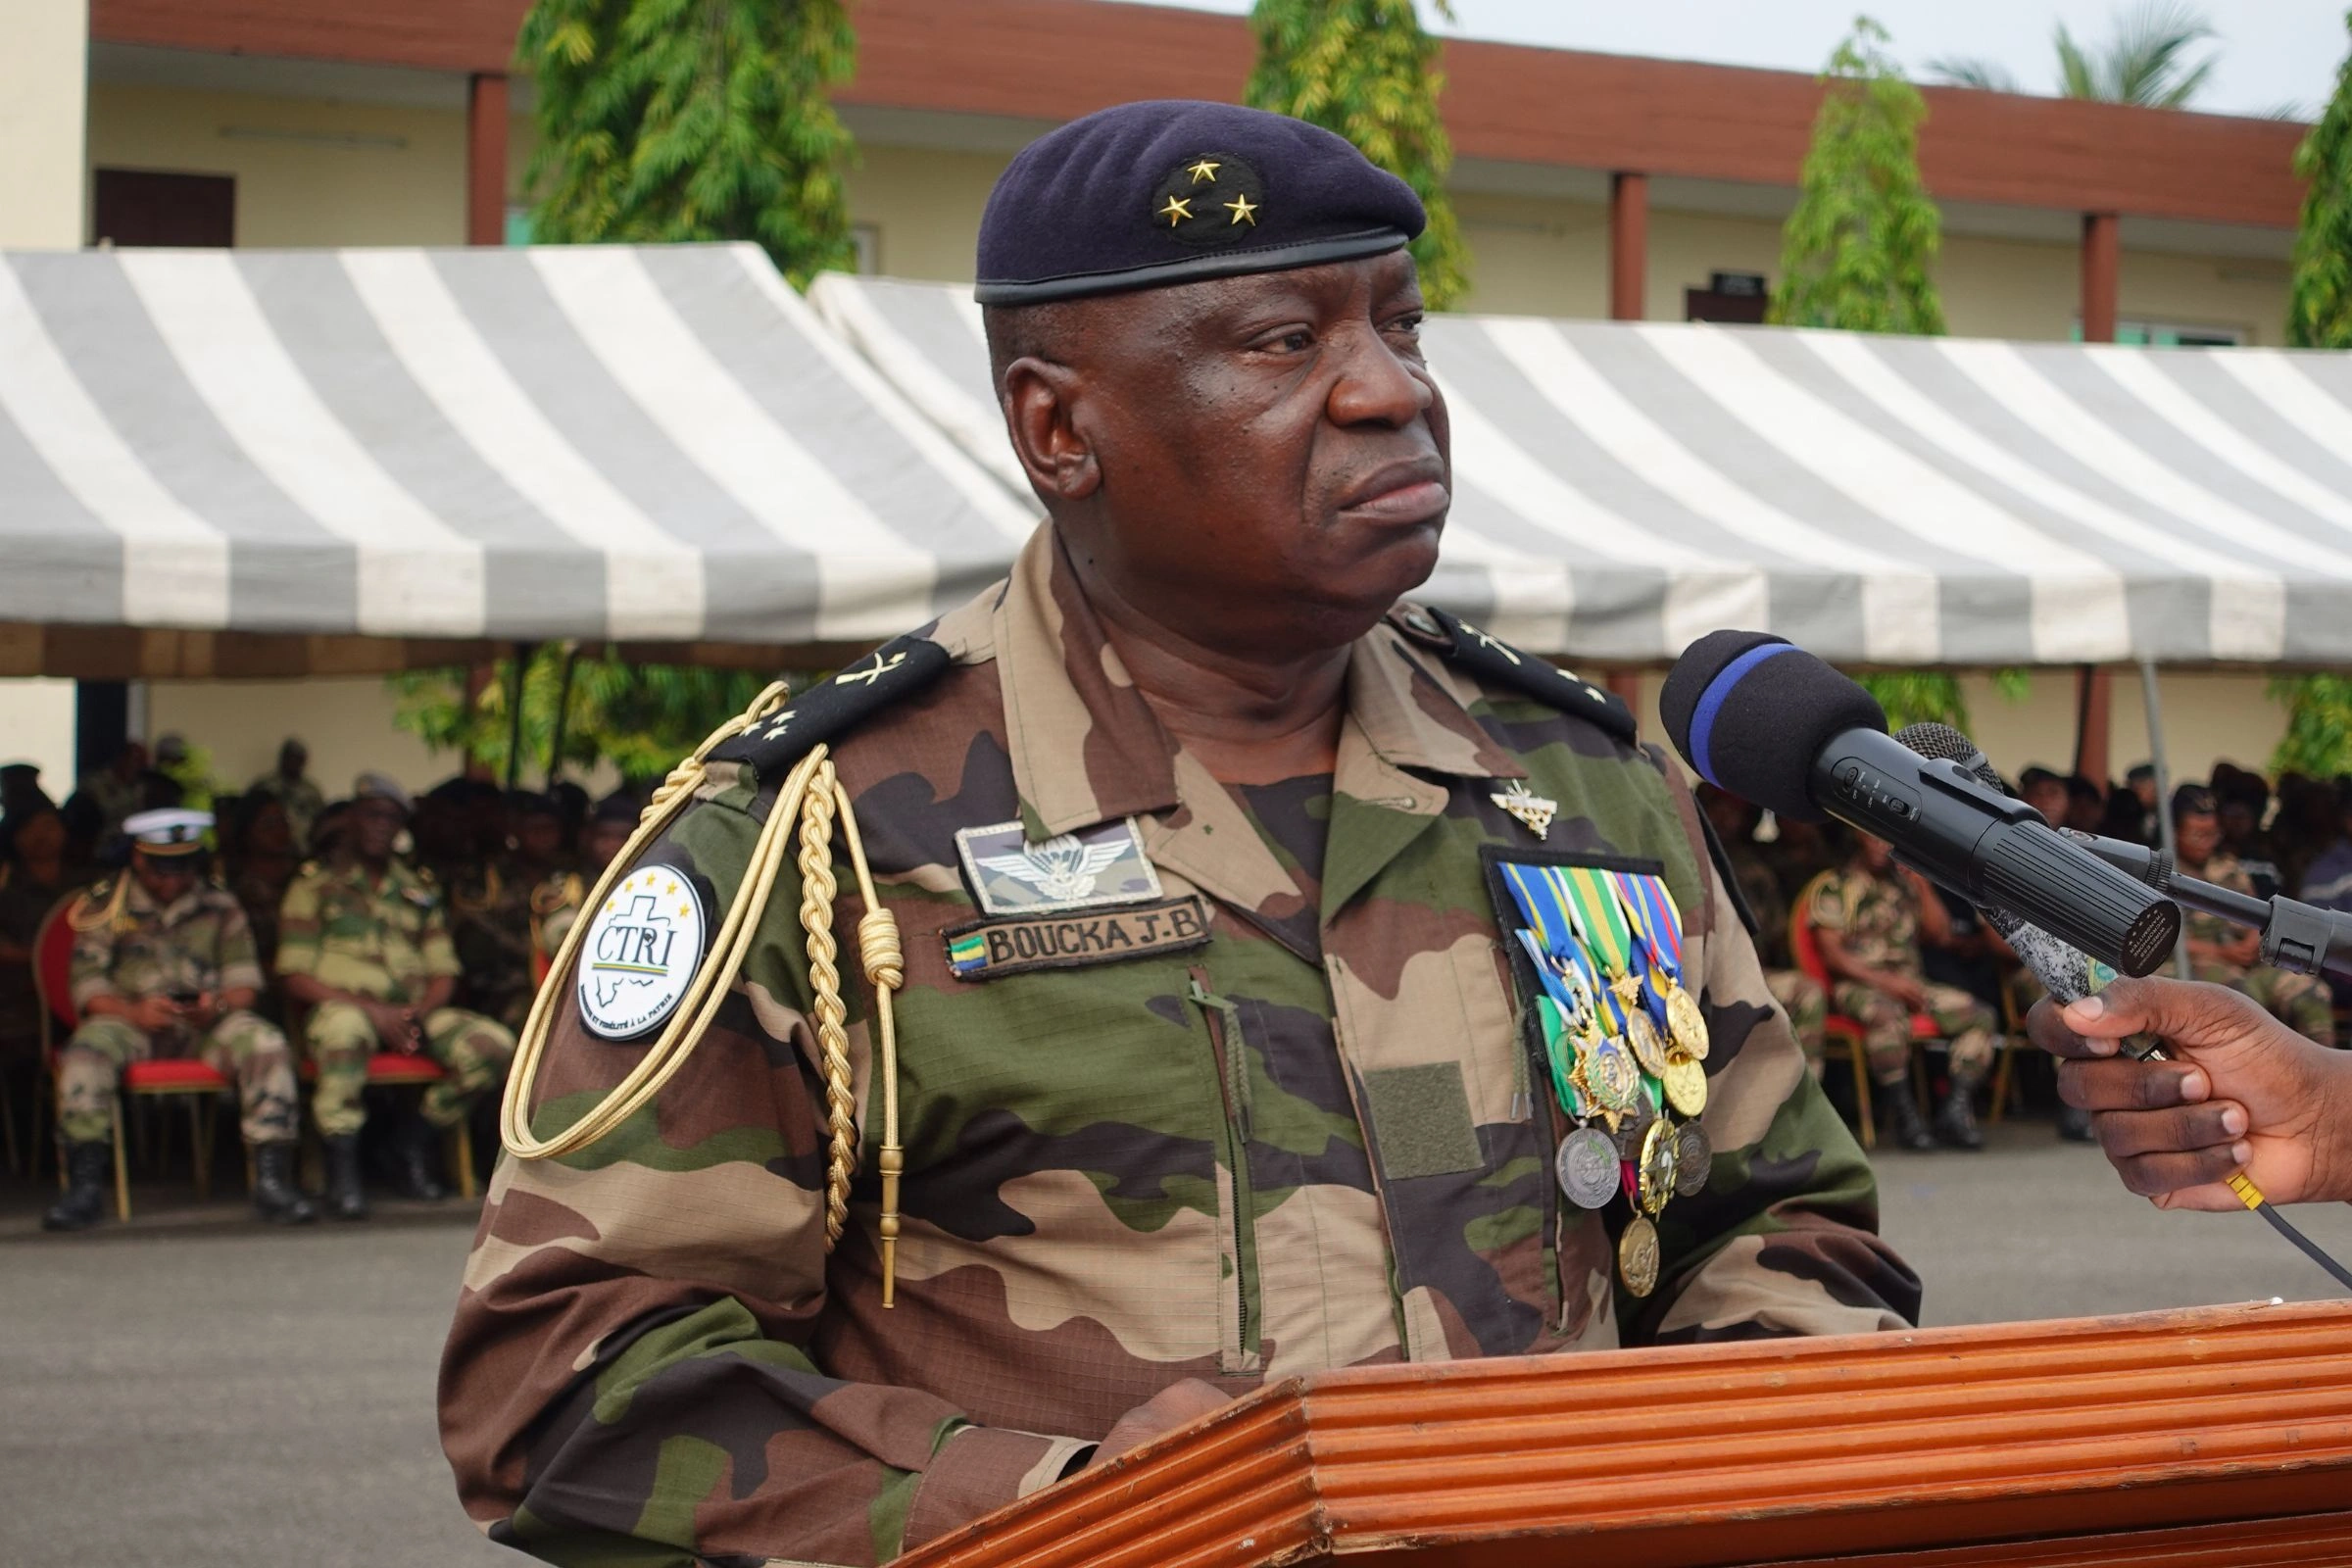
(171, 831)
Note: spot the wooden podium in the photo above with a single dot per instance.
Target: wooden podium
(2215, 1437)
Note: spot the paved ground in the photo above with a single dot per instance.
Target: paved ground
(201, 1392)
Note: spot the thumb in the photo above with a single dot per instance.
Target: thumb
(2190, 1013)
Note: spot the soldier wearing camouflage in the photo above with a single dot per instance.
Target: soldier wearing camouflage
(1867, 915)
(493, 915)
(164, 968)
(1210, 1062)
(364, 947)
(2225, 955)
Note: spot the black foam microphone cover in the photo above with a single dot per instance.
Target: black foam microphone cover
(1750, 713)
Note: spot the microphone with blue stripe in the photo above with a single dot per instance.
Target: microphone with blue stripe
(1761, 718)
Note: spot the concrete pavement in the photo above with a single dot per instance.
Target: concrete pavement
(202, 1392)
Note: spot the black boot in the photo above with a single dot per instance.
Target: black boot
(275, 1198)
(2074, 1126)
(419, 1151)
(87, 1166)
(1905, 1126)
(1956, 1118)
(346, 1199)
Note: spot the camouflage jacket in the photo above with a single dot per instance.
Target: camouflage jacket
(2224, 870)
(1872, 915)
(556, 907)
(386, 941)
(200, 943)
(490, 926)
(1267, 1115)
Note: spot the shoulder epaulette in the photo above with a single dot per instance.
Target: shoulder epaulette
(832, 707)
(1491, 658)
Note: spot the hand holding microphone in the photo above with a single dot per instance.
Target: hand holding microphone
(2243, 1092)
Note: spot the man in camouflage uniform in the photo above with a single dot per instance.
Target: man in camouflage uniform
(556, 902)
(491, 913)
(163, 966)
(361, 943)
(1209, 1065)
(2226, 955)
(1799, 995)
(1868, 915)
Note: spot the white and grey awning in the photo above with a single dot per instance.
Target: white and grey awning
(1622, 488)
(656, 443)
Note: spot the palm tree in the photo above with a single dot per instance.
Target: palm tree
(2144, 63)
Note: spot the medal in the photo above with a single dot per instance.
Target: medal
(1643, 1039)
(1638, 1256)
(1683, 1019)
(1685, 1083)
(1588, 1169)
(1607, 1074)
(1694, 1157)
(1637, 1127)
(1658, 1173)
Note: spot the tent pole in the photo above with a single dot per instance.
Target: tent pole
(555, 747)
(2164, 793)
(522, 659)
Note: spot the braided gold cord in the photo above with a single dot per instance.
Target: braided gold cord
(813, 798)
(819, 889)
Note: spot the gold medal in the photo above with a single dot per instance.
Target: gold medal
(1686, 1023)
(1638, 1256)
(1686, 1084)
(1641, 1038)
(1608, 1076)
(1659, 1168)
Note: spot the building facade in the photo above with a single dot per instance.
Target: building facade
(1589, 186)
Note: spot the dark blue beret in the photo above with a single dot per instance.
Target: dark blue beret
(1171, 191)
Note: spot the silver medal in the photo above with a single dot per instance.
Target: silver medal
(1589, 1169)
(1693, 1155)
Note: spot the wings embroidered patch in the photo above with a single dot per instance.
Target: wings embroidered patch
(1092, 868)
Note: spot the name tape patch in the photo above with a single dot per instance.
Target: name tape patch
(988, 948)
(640, 953)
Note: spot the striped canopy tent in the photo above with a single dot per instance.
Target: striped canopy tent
(1622, 488)
(270, 463)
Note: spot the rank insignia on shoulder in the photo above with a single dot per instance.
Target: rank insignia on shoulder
(892, 672)
(985, 950)
(1491, 658)
(640, 953)
(1092, 868)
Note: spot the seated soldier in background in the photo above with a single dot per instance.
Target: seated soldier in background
(2225, 955)
(490, 910)
(289, 784)
(2326, 879)
(163, 966)
(1799, 995)
(556, 902)
(363, 944)
(35, 872)
(1868, 916)
(2045, 792)
(2241, 802)
(261, 867)
(2086, 803)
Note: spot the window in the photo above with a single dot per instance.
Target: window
(867, 238)
(144, 207)
(1738, 298)
(2173, 334)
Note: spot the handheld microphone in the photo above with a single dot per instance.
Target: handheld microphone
(1767, 722)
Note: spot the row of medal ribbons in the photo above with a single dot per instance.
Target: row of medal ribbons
(1624, 1042)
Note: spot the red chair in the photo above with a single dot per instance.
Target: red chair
(191, 1082)
(1805, 948)
(393, 1069)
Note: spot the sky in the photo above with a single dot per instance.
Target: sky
(2272, 52)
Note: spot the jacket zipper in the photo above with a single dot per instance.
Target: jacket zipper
(1233, 1089)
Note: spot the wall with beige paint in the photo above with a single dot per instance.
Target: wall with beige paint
(309, 172)
(347, 724)
(43, 73)
(1532, 256)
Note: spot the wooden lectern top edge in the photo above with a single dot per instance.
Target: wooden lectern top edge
(2029, 1425)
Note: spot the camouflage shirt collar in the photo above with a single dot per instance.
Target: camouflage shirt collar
(136, 899)
(1087, 748)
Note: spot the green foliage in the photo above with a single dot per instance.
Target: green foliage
(642, 719)
(1934, 697)
(2318, 743)
(692, 120)
(1856, 252)
(2319, 310)
(1367, 70)
(2146, 61)
(1961, 71)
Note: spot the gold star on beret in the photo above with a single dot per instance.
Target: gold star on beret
(1207, 168)
(1176, 212)
(1244, 210)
